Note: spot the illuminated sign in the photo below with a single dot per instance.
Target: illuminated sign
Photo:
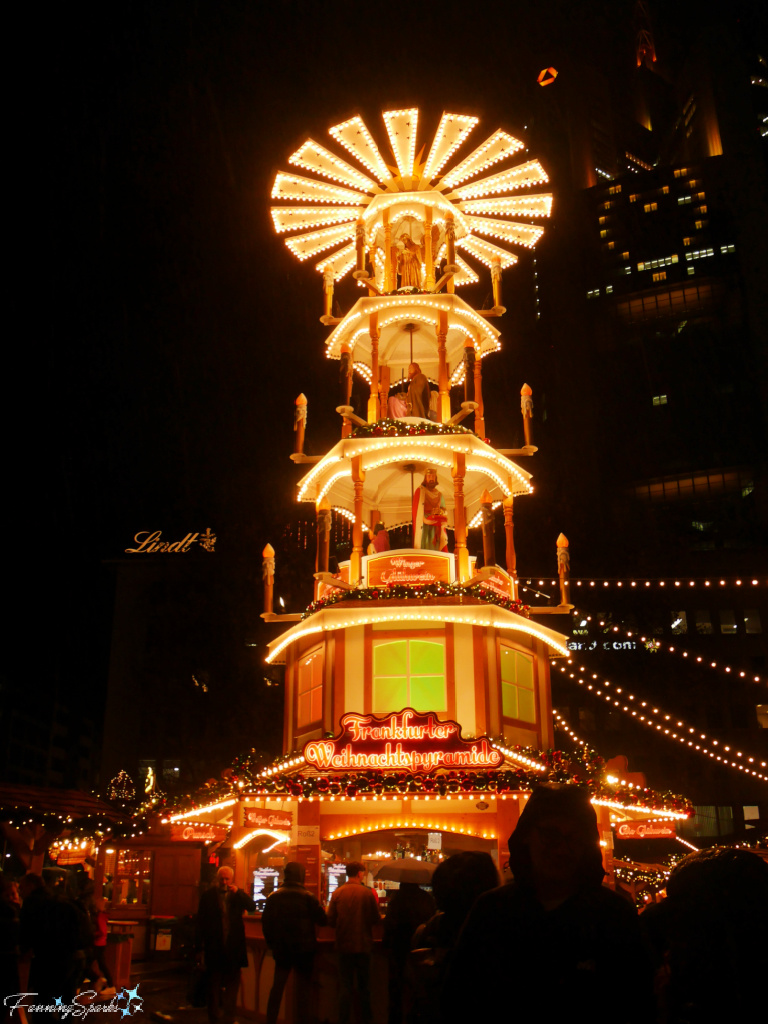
(268, 819)
(645, 830)
(405, 741)
(153, 544)
(410, 567)
(201, 833)
(500, 583)
(603, 645)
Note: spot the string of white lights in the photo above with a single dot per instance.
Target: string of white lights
(644, 711)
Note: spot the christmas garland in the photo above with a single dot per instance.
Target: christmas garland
(402, 592)
(397, 428)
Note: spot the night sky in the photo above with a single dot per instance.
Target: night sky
(174, 330)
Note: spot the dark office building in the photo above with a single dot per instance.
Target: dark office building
(645, 319)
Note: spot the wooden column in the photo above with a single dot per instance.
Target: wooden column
(489, 541)
(526, 407)
(480, 410)
(509, 533)
(373, 401)
(429, 256)
(328, 291)
(358, 477)
(459, 518)
(389, 284)
(360, 246)
(450, 242)
(443, 385)
(299, 423)
(345, 379)
(323, 512)
(564, 568)
(384, 383)
(496, 280)
(268, 577)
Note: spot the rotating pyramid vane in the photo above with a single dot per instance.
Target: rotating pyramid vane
(341, 205)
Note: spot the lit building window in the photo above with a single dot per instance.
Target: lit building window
(681, 172)
(664, 261)
(703, 208)
(727, 248)
(609, 289)
(634, 197)
(660, 275)
(665, 190)
(602, 220)
(683, 200)
(701, 195)
(659, 399)
(703, 621)
(309, 709)
(604, 233)
(762, 720)
(409, 674)
(593, 294)
(699, 254)
(727, 620)
(614, 190)
(517, 695)
(686, 241)
(679, 623)
(610, 245)
(625, 255)
(700, 225)
(651, 207)
(752, 622)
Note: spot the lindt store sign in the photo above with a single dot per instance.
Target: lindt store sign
(405, 741)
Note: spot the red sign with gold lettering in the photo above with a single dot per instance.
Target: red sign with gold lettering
(500, 583)
(267, 818)
(199, 832)
(410, 568)
(405, 741)
(645, 829)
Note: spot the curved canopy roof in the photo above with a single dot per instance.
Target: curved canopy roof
(395, 466)
(407, 327)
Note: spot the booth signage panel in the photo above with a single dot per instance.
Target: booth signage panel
(199, 833)
(260, 818)
(410, 568)
(500, 583)
(645, 830)
(404, 741)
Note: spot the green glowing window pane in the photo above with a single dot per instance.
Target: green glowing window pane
(428, 694)
(507, 665)
(509, 700)
(526, 707)
(389, 694)
(305, 709)
(390, 659)
(426, 658)
(524, 671)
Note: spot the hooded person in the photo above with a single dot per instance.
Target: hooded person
(289, 919)
(573, 944)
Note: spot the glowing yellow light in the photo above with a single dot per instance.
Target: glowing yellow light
(354, 136)
(314, 157)
(452, 131)
(496, 147)
(401, 129)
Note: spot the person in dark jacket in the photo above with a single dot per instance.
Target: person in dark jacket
(409, 907)
(289, 919)
(221, 942)
(573, 944)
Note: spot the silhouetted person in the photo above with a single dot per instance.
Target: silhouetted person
(49, 932)
(353, 911)
(710, 937)
(9, 941)
(408, 907)
(456, 884)
(572, 944)
(221, 937)
(289, 919)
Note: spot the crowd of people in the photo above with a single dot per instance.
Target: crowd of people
(53, 937)
(553, 943)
